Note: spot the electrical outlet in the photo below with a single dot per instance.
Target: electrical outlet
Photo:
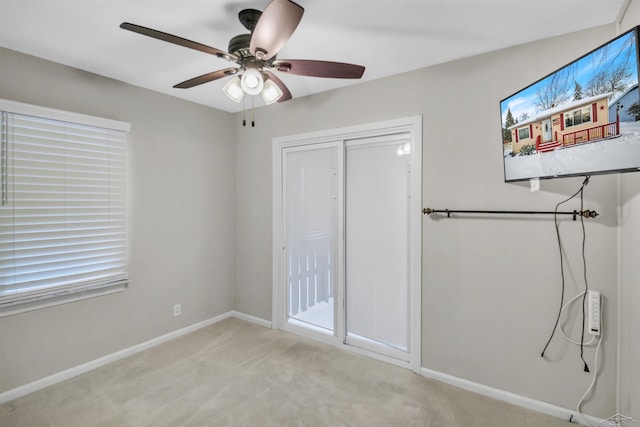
(177, 310)
(534, 184)
(593, 301)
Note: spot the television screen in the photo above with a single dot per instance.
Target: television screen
(583, 119)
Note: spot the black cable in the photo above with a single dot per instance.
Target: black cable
(555, 219)
(586, 284)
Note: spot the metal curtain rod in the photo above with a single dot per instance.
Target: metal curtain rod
(585, 214)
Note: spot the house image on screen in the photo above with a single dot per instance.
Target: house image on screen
(622, 103)
(572, 123)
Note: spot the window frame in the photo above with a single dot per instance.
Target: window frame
(520, 138)
(570, 116)
(24, 300)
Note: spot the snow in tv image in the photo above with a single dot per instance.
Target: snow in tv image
(582, 119)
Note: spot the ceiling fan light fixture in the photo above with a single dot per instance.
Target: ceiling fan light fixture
(271, 92)
(255, 53)
(252, 81)
(233, 89)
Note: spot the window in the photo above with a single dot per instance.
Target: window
(577, 117)
(63, 225)
(523, 133)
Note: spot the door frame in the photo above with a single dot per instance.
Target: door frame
(412, 126)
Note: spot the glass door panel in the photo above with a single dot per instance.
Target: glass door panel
(376, 218)
(310, 199)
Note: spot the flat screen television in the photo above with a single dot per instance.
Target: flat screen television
(583, 119)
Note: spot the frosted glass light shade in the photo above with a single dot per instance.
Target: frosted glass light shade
(233, 89)
(271, 92)
(252, 81)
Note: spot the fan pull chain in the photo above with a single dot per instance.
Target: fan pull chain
(253, 112)
(244, 115)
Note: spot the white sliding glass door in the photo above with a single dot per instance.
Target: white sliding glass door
(377, 244)
(347, 238)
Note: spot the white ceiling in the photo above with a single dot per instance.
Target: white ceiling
(386, 36)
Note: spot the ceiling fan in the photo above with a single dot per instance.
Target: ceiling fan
(255, 54)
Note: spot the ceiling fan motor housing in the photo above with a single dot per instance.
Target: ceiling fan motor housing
(239, 46)
(249, 18)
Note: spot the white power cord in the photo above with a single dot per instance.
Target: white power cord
(593, 382)
(595, 369)
(572, 341)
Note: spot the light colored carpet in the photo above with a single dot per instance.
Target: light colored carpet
(234, 373)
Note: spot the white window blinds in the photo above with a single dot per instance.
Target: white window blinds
(63, 224)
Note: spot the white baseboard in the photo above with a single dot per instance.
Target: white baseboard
(102, 361)
(515, 399)
(252, 319)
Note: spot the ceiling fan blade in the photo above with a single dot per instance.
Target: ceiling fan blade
(177, 40)
(286, 95)
(277, 23)
(206, 78)
(306, 67)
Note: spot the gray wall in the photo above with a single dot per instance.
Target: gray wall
(491, 286)
(181, 222)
